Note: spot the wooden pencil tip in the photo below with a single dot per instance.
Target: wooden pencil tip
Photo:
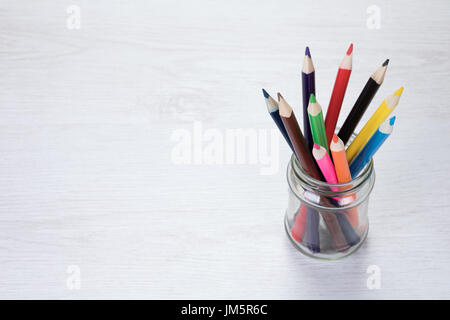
(350, 49)
(266, 95)
(284, 107)
(318, 151)
(385, 63)
(336, 144)
(307, 53)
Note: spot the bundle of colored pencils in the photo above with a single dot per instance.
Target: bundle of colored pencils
(320, 151)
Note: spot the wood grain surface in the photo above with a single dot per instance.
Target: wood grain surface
(87, 177)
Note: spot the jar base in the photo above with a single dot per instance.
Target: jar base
(336, 255)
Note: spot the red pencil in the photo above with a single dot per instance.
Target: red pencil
(340, 85)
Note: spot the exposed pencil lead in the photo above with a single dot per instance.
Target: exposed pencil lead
(266, 95)
(335, 138)
(385, 63)
(399, 91)
(279, 96)
(316, 146)
(312, 98)
(307, 53)
(350, 49)
(392, 120)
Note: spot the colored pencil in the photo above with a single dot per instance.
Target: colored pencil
(383, 111)
(343, 175)
(337, 96)
(298, 229)
(311, 237)
(380, 136)
(328, 171)
(298, 141)
(306, 228)
(325, 164)
(308, 164)
(363, 101)
(317, 124)
(350, 235)
(305, 159)
(308, 87)
(272, 108)
(339, 159)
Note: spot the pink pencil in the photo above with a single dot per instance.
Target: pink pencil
(325, 164)
(327, 168)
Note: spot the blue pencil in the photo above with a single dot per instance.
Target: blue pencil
(308, 87)
(382, 133)
(272, 107)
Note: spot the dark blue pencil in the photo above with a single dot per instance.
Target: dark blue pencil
(272, 107)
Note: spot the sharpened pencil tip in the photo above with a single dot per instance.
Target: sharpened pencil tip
(392, 120)
(279, 96)
(316, 146)
(266, 95)
(385, 63)
(350, 49)
(335, 138)
(307, 53)
(399, 91)
(312, 98)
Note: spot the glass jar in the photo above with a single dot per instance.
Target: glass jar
(327, 221)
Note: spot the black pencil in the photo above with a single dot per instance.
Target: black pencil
(363, 101)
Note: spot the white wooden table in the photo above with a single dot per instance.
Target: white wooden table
(88, 183)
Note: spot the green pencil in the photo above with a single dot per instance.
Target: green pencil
(317, 124)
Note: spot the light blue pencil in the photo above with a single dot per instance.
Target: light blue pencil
(382, 133)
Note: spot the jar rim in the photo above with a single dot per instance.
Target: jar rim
(313, 187)
(352, 185)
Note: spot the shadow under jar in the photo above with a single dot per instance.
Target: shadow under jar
(327, 221)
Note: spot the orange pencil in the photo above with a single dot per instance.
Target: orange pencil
(343, 174)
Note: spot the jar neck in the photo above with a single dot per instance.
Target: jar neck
(308, 183)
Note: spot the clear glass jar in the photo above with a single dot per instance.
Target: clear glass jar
(327, 221)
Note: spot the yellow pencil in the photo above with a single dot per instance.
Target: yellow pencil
(383, 111)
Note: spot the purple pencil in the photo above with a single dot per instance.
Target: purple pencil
(308, 87)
